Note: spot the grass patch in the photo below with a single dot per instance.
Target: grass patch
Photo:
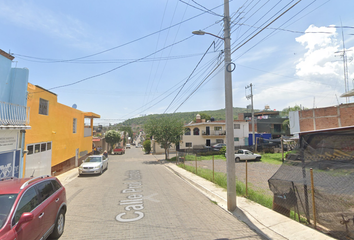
(191, 157)
(221, 180)
(272, 158)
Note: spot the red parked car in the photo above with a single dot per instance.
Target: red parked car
(119, 151)
(32, 208)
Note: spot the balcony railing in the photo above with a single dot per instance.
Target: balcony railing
(13, 114)
(214, 133)
(87, 131)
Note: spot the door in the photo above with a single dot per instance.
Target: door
(48, 207)
(207, 131)
(208, 142)
(29, 203)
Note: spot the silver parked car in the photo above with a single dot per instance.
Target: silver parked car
(94, 164)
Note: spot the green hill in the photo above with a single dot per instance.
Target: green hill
(137, 123)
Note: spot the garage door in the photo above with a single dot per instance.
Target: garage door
(38, 159)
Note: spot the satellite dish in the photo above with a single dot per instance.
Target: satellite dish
(74, 106)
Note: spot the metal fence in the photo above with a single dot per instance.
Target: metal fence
(325, 201)
(13, 114)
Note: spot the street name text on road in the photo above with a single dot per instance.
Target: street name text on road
(134, 201)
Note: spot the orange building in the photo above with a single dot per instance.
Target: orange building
(58, 139)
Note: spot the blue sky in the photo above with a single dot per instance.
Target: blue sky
(122, 59)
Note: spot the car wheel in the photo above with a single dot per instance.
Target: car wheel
(59, 225)
(101, 170)
(237, 159)
(107, 167)
(258, 159)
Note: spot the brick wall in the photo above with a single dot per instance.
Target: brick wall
(328, 117)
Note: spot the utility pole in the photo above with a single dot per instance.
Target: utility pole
(250, 96)
(229, 115)
(230, 148)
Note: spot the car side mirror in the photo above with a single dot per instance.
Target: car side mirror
(25, 217)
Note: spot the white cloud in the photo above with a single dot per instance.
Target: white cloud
(44, 21)
(322, 62)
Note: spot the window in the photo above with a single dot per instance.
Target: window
(29, 149)
(43, 106)
(217, 128)
(187, 131)
(236, 139)
(49, 145)
(74, 125)
(56, 185)
(236, 126)
(37, 148)
(45, 189)
(196, 131)
(219, 140)
(188, 144)
(29, 201)
(43, 147)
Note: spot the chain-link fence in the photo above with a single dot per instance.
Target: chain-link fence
(319, 183)
(287, 188)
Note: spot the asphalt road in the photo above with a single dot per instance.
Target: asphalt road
(139, 198)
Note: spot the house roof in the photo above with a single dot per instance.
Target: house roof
(348, 94)
(221, 122)
(91, 115)
(328, 130)
(8, 56)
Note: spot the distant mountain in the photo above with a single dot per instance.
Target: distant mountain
(186, 116)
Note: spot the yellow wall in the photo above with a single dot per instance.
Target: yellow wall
(56, 127)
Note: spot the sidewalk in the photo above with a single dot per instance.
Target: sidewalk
(68, 176)
(264, 221)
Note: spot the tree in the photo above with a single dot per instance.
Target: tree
(203, 116)
(147, 146)
(126, 129)
(165, 130)
(285, 112)
(112, 137)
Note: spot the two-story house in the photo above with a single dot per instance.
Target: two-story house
(265, 122)
(59, 138)
(14, 119)
(207, 133)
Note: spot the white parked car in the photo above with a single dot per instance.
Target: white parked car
(127, 146)
(244, 155)
(94, 164)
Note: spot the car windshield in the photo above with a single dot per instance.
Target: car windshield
(93, 159)
(6, 202)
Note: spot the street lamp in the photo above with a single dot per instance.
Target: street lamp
(230, 149)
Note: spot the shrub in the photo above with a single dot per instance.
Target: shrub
(147, 146)
(223, 150)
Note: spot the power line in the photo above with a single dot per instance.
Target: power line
(113, 69)
(207, 11)
(190, 76)
(122, 45)
(273, 30)
(265, 27)
(176, 86)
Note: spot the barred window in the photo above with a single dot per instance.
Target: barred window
(236, 126)
(43, 106)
